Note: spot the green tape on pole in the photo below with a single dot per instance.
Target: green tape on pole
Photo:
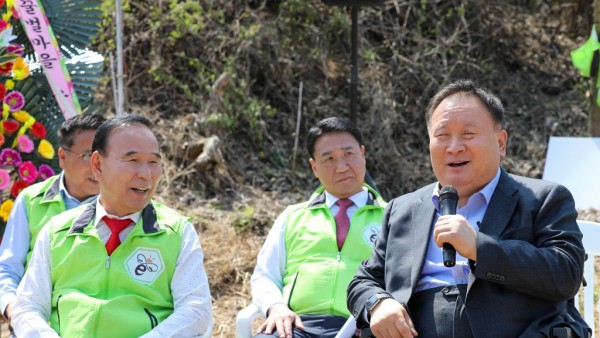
(582, 57)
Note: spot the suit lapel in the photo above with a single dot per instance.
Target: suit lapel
(499, 211)
(422, 216)
(501, 207)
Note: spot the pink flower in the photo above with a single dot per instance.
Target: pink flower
(4, 179)
(25, 144)
(15, 100)
(15, 48)
(10, 157)
(28, 172)
(45, 171)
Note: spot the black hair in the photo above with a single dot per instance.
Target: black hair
(467, 87)
(331, 125)
(102, 134)
(78, 123)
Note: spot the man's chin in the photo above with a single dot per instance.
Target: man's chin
(92, 189)
(345, 193)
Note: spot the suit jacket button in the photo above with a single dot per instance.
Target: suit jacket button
(489, 275)
(502, 278)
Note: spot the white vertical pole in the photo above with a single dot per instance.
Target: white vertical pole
(298, 119)
(113, 81)
(120, 90)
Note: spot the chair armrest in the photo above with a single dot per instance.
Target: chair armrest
(348, 330)
(244, 319)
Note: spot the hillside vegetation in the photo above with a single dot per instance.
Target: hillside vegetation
(221, 80)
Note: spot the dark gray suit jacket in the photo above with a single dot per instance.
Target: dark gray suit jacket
(529, 259)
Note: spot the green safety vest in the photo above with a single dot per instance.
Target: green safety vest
(42, 201)
(123, 295)
(317, 274)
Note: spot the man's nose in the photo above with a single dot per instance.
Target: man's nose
(455, 145)
(341, 165)
(145, 171)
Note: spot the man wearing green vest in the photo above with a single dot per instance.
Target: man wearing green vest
(36, 204)
(122, 266)
(314, 248)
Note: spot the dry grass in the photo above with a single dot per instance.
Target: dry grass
(231, 240)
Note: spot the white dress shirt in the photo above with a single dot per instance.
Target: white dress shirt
(189, 287)
(267, 279)
(15, 244)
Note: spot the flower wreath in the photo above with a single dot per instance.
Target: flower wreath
(25, 153)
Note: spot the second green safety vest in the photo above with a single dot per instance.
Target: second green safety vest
(42, 201)
(317, 274)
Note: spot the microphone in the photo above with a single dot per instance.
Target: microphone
(448, 200)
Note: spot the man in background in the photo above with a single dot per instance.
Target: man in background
(314, 248)
(36, 204)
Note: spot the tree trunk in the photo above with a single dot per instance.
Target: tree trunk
(594, 120)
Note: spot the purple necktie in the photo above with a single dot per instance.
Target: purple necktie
(342, 221)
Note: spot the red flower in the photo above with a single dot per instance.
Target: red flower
(15, 14)
(3, 24)
(11, 126)
(2, 89)
(1, 140)
(6, 68)
(17, 187)
(38, 130)
(2, 3)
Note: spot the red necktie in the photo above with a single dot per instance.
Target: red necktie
(342, 221)
(116, 226)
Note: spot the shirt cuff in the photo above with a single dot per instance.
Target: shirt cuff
(6, 299)
(265, 310)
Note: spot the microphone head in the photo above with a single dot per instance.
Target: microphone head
(448, 192)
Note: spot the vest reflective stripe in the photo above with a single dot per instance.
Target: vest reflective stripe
(317, 274)
(42, 202)
(95, 295)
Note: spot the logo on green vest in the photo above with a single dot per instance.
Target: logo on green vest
(144, 265)
(370, 233)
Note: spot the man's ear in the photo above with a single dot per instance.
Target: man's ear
(313, 165)
(502, 141)
(96, 164)
(61, 157)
